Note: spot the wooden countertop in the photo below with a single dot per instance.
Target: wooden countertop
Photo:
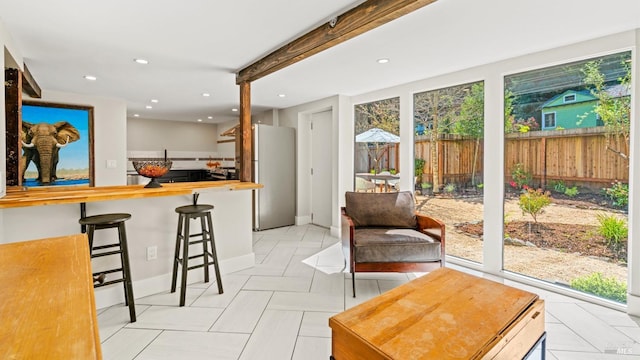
(69, 195)
(47, 303)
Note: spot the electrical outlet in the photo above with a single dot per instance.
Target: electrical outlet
(152, 253)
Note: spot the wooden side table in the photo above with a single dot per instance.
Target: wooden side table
(445, 314)
(47, 303)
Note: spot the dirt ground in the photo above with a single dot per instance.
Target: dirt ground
(554, 261)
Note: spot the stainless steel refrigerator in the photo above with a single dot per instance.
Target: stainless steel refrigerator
(274, 166)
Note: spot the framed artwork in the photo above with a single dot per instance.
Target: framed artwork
(57, 145)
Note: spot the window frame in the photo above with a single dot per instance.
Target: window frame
(544, 120)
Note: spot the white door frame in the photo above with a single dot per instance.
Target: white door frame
(303, 215)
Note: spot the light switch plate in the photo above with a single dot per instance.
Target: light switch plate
(112, 164)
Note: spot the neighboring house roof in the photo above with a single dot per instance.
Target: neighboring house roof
(580, 96)
(585, 96)
(618, 90)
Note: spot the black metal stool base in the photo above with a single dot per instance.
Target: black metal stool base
(108, 221)
(183, 240)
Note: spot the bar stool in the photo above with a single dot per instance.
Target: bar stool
(183, 238)
(108, 221)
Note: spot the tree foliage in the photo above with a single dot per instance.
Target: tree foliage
(614, 109)
(438, 111)
(471, 120)
(382, 114)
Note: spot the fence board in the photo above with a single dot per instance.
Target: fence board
(576, 156)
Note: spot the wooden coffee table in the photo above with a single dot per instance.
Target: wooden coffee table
(445, 314)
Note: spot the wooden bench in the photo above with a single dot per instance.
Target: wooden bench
(445, 314)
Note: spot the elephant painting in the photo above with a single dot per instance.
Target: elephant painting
(41, 143)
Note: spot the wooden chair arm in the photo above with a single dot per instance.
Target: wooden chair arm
(425, 223)
(347, 230)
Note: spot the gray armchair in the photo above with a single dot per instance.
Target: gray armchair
(381, 232)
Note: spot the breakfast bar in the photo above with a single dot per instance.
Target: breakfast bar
(38, 213)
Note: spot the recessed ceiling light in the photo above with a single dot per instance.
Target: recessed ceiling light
(383, 61)
(282, 95)
(141, 61)
(154, 101)
(90, 77)
(209, 117)
(234, 109)
(206, 94)
(136, 115)
(199, 120)
(149, 107)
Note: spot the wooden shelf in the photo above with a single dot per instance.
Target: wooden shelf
(69, 195)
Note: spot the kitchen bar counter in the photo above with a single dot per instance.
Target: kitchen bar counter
(70, 195)
(54, 211)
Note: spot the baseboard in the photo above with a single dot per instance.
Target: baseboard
(303, 220)
(114, 294)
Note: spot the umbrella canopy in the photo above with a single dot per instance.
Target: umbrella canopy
(376, 135)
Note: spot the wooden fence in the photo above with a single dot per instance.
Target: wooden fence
(576, 156)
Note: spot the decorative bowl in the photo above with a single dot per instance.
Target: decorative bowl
(152, 169)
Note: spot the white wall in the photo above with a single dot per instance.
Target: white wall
(10, 51)
(155, 135)
(293, 117)
(109, 133)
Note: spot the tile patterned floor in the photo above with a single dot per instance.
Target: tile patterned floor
(279, 309)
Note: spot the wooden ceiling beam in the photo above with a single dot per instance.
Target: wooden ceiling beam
(360, 19)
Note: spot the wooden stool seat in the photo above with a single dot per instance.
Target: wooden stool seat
(105, 219)
(108, 221)
(193, 209)
(183, 239)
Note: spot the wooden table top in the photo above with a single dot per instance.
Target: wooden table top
(445, 314)
(36, 196)
(47, 304)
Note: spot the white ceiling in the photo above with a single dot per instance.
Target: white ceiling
(197, 46)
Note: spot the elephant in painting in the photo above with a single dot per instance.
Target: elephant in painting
(41, 143)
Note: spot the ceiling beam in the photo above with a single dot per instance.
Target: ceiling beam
(360, 19)
(29, 84)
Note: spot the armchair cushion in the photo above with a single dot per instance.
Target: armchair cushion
(395, 209)
(394, 245)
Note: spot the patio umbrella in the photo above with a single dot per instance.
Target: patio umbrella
(377, 136)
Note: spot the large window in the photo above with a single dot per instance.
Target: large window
(566, 174)
(377, 129)
(449, 132)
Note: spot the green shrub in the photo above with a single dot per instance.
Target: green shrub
(533, 202)
(615, 232)
(571, 192)
(597, 284)
(449, 188)
(418, 167)
(619, 194)
(558, 186)
(612, 228)
(520, 176)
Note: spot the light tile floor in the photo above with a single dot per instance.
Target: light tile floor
(279, 309)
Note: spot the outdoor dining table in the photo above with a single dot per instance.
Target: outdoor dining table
(385, 177)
